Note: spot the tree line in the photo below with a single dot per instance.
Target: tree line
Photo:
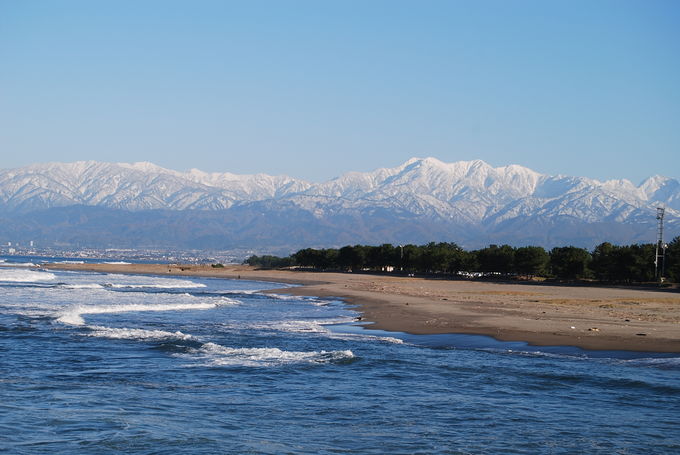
(606, 262)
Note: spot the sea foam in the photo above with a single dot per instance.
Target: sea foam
(212, 354)
(18, 264)
(81, 286)
(25, 276)
(124, 333)
(74, 315)
(178, 284)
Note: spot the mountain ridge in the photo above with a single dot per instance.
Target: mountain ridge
(465, 201)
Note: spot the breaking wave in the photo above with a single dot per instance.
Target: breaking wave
(316, 301)
(316, 326)
(81, 286)
(124, 333)
(25, 276)
(18, 264)
(74, 315)
(176, 284)
(212, 354)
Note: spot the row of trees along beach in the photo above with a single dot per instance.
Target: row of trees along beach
(606, 262)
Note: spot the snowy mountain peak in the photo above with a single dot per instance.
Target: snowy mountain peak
(472, 193)
(653, 184)
(146, 166)
(422, 199)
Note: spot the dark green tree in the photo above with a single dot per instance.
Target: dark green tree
(457, 258)
(330, 259)
(531, 260)
(603, 262)
(469, 261)
(352, 257)
(434, 258)
(496, 258)
(389, 256)
(635, 263)
(310, 257)
(672, 265)
(411, 258)
(569, 262)
(381, 257)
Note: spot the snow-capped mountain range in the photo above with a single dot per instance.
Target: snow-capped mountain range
(469, 202)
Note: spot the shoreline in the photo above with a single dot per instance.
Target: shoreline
(593, 318)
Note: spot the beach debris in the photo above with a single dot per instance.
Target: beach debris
(573, 327)
(641, 334)
(593, 329)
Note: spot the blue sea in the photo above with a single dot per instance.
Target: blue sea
(108, 364)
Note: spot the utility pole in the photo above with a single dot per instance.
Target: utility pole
(401, 259)
(660, 257)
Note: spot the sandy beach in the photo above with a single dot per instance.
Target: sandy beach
(589, 317)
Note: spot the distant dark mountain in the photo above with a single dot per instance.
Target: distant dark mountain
(469, 202)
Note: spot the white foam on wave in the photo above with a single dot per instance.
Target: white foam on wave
(299, 326)
(265, 294)
(316, 301)
(281, 296)
(672, 363)
(310, 325)
(317, 326)
(239, 292)
(226, 301)
(74, 315)
(179, 284)
(69, 262)
(18, 264)
(536, 353)
(25, 276)
(116, 262)
(125, 333)
(290, 326)
(660, 362)
(81, 286)
(365, 337)
(212, 354)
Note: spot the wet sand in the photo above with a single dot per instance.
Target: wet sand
(589, 317)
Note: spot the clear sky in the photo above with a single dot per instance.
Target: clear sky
(313, 89)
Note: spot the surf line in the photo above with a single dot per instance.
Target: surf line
(74, 315)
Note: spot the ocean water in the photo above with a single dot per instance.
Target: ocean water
(102, 364)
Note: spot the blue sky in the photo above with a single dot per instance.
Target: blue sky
(313, 89)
